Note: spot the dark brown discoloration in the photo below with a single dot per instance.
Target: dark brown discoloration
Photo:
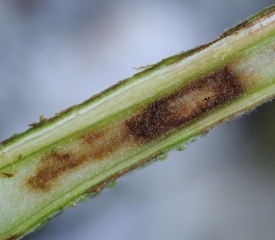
(184, 106)
(54, 164)
(157, 119)
(235, 29)
(95, 146)
(6, 175)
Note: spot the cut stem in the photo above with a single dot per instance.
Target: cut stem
(73, 155)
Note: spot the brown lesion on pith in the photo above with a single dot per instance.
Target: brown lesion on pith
(93, 146)
(53, 165)
(185, 105)
(158, 119)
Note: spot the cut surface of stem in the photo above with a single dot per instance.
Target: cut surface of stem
(74, 155)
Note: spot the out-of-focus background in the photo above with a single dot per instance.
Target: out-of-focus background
(56, 53)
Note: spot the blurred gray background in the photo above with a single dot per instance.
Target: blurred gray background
(56, 53)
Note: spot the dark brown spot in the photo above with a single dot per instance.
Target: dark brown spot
(7, 175)
(207, 98)
(185, 105)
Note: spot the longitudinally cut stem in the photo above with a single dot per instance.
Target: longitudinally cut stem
(65, 159)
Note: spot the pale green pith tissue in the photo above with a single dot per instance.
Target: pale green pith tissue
(246, 51)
